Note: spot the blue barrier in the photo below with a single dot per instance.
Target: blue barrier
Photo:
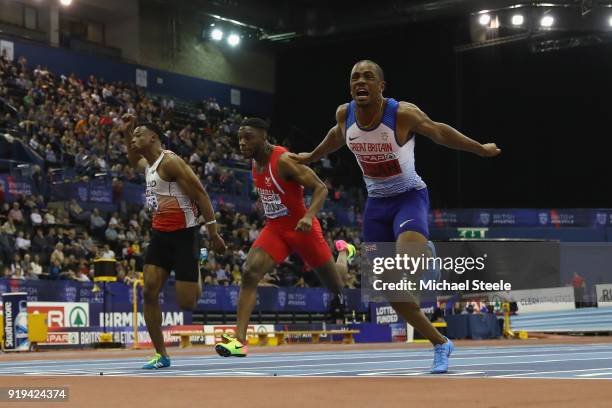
(14, 187)
(509, 217)
(214, 298)
(472, 326)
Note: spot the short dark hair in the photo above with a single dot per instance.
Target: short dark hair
(153, 128)
(379, 70)
(256, 123)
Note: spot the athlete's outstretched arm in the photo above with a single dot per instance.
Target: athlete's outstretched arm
(333, 141)
(412, 119)
(189, 183)
(288, 169)
(128, 121)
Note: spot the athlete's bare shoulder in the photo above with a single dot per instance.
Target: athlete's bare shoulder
(409, 117)
(341, 113)
(407, 108)
(409, 114)
(172, 166)
(171, 158)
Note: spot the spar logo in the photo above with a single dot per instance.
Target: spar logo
(62, 314)
(78, 317)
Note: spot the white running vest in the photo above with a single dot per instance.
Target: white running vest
(388, 168)
(172, 209)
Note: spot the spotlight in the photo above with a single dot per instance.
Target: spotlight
(547, 21)
(610, 21)
(484, 19)
(216, 34)
(233, 40)
(518, 19)
(65, 2)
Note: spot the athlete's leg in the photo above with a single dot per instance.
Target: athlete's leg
(257, 264)
(187, 294)
(410, 226)
(313, 250)
(330, 275)
(186, 254)
(154, 279)
(411, 310)
(341, 266)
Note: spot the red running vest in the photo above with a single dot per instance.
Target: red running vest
(283, 201)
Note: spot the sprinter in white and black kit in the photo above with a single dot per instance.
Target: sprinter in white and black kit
(176, 197)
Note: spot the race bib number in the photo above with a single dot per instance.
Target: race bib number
(151, 200)
(381, 170)
(273, 206)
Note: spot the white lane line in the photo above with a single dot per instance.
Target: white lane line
(596, 374)
(465, 373)
(555, 372)
(224, 373)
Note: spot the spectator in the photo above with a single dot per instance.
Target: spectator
(210, 168)
(49, 218)
(9, 227)
(55, 269)
(301, 283)
(81, 275)
(58, 254)
(50, 156)
(221, 275)
(35, 270)
(16, 215)
(77, 213)
(108, 253)
(253, 233)
(96, 222)
(35, 217)
(111, 233)
(23, 242)
(39, 242)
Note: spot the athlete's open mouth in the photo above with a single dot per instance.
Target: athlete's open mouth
(362, 92)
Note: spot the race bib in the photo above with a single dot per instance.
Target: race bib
(273, 206)
(151, 200)
(382, 169)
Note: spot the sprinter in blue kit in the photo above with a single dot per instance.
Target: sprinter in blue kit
(381, 134)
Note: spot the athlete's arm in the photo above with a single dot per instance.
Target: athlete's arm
(333, 141)
(127, 128)
(189, 183)
(288, 169)
(411, 119)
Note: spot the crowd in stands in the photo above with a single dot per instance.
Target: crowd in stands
(72, 123)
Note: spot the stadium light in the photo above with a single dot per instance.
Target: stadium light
(484, 19)
(233, 40)
(216, 34)
(65, 2)
(547, 21)
(518, 20)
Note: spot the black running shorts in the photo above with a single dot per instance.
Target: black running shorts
(177, 251)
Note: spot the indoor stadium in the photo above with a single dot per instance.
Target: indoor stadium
(219, 202)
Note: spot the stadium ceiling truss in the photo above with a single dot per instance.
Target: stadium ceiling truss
(281, 22)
